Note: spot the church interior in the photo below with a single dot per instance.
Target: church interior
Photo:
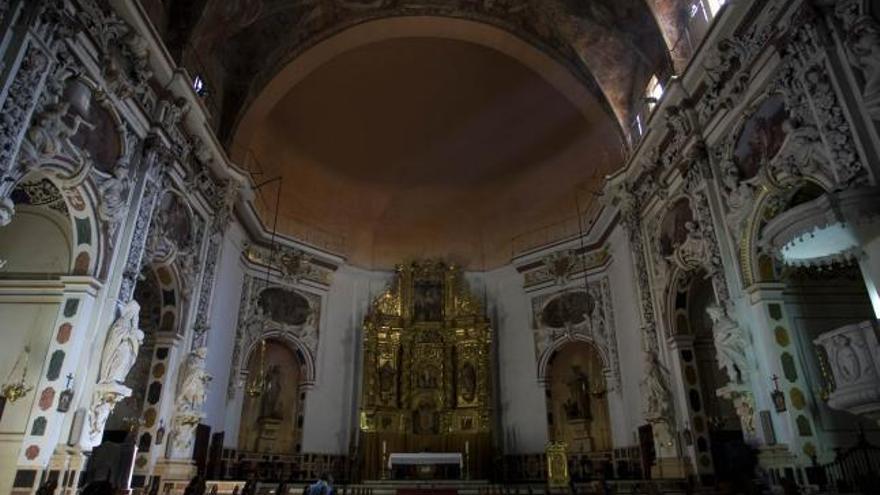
(439, 247)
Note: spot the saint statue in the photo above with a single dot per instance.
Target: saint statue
(731, 344)
(193, 388)
(578, 404)
(655, 390)
(386, 379)
(468, 382)
(269, 405)
(121, 347)
(426, 419)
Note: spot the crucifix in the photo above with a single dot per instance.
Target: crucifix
(777, 396)
(66, 397)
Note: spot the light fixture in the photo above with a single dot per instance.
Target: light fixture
(14, 390)
(255, 387)
(257, 383)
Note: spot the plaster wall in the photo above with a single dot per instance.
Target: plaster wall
(24, 323)
(331, 405)
(47, 249)
(627, 411)
(521, 398)
(221, 336)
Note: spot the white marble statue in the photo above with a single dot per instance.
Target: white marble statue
(731, 344)
(114, 196)
(50, 133)
(193, 388)
(121, 347)
(655, 391)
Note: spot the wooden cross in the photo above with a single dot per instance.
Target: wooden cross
(775, 381)
(69, 379)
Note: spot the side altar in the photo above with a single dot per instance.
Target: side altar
(427, 383)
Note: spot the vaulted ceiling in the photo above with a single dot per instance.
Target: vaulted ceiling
(413, 128)
(612, 46)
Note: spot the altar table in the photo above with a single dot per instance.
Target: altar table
(427, 464)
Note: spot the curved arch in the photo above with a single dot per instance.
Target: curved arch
(556, 74)
(79, 196)
(551, 350)
(751, 262)
(294, 343)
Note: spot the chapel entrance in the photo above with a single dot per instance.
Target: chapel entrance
(427, 387)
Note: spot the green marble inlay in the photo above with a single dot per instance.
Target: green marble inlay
(788, 367)
(803, 426)
(83, 231)
(70, 307)
(39, 427)
(55, 365)
(775, 311)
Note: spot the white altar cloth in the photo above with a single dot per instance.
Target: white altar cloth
(423, 458)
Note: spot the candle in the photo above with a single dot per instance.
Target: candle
(467, 447)
(384, 447)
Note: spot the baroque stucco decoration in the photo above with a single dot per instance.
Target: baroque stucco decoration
(595, 325)
(257, 322)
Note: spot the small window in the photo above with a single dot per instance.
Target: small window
(714, 6)
(653, 93)
(637, 129)
(199, 86)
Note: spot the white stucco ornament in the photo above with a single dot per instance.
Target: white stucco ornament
(829, 229)
(853, 352)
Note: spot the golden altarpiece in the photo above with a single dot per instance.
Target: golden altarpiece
(427, 371)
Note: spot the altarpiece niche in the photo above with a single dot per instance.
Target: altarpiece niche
(427, 370)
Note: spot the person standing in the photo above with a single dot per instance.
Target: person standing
(320, 487)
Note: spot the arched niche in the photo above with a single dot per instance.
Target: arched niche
(576, 393)
(272, 414)
(689, 296)
(757, 265)
(39, 240)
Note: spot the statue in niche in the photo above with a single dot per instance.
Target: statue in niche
(468, 386)
(578, 404)
(426, 420)
(428, 301)
(427, 378)
(123, 343)
(386, 379)
(269, 404)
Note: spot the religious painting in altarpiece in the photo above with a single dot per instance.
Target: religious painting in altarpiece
(427, 384)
